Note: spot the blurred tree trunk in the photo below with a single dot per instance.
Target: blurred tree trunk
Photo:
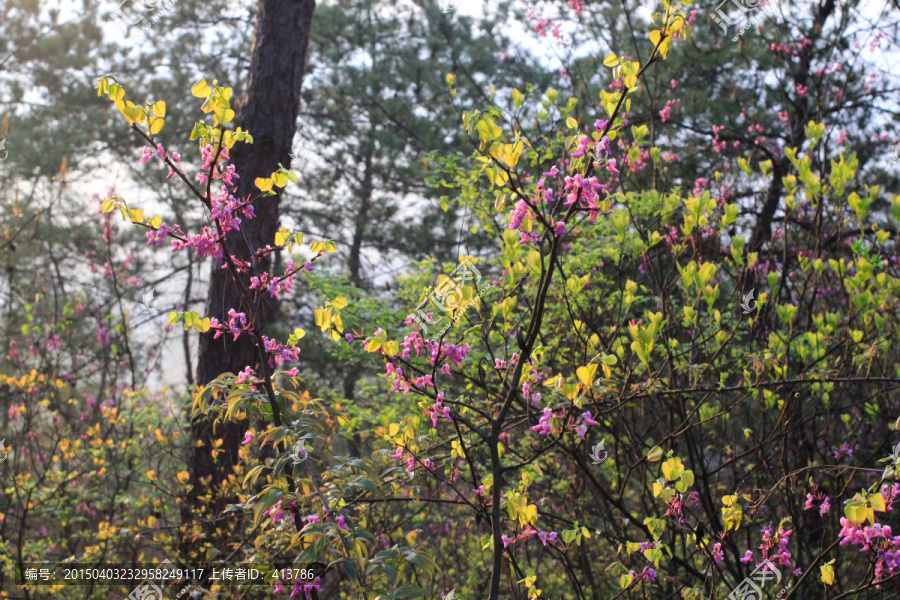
(268, 110)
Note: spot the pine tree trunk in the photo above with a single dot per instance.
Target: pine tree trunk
(268, 110)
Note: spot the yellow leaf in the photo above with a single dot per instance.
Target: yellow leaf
(226, 116)
(672, 469)
(586, 374)
(497, 177)
(393, 429)
(263, 184)
(159, 109)
(856, 513)
(203, 325)
(201, 89)
(156, 125)
(137, 215)
(827, 573)
(280, 179)
(611, 60)
(654, 454)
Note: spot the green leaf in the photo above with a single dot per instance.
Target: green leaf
(518, 98)
(408, 592)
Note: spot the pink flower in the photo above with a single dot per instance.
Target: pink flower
(559, 228)
(718, 555)
(545, 538)
(543, 427)
(587, 418)
(611, 166)
(248, 437)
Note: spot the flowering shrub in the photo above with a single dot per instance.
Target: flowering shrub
(741, 394)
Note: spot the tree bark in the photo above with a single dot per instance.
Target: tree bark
(762, 231)
(268, 110)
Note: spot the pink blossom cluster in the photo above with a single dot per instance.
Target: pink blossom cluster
(577, 6)
(666, 113)
(528, 531)
(844, 450)
(543, 427)
(700, 185)
(300, 586)
(279, 353)
(774, 549)
(790, 49)
(640, 162)
(717, 553)
(645, 574)
(247, 375)
(225, 210)
(820, 498)
(278, 514)
(718, 144)
(276, 285)
(586, 191)
(587, 420)
(439, 410)
(876, 537)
